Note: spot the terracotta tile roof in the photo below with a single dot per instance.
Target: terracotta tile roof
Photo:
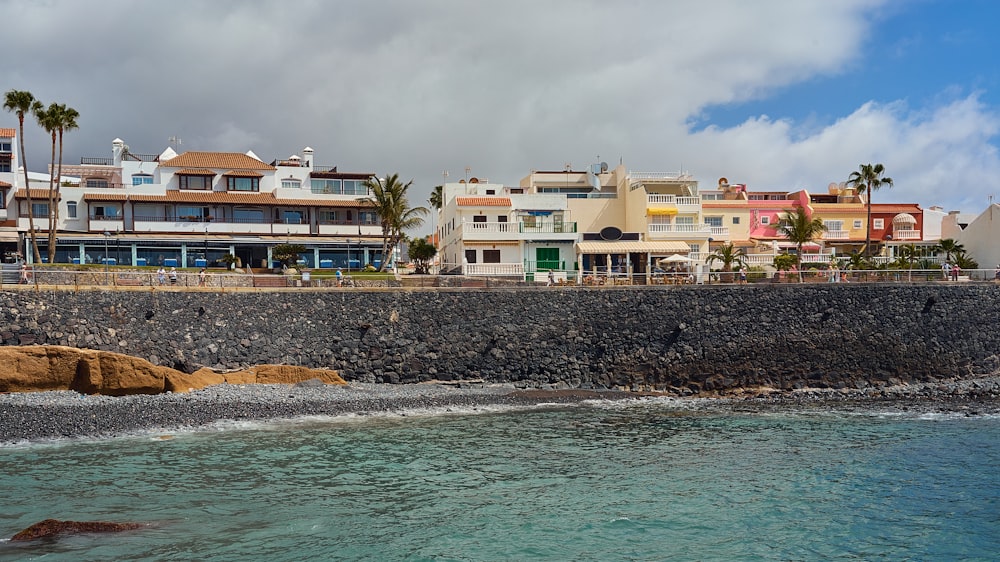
(193, 172)
(35, 194)
(243, 174)
(5, 132)
(218, 160)
(483, 201)
(105, 196)
(5, 184)
(896, 208)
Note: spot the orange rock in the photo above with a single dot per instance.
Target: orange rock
(177, 381)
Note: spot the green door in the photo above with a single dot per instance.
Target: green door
(547, 258)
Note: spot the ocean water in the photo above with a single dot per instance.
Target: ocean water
(622, 481)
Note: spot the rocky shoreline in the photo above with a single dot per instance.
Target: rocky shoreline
(42, 416)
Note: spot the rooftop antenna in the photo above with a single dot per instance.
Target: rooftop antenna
(467, 170)
(444, 175)
(175, 141)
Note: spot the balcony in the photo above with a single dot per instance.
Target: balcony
(198, 225)
(685, 231)
(494, 269)
(541, 230)
(681, 204)
(837, 235)
(906, 235)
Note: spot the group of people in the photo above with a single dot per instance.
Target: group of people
(161, 275)
(951, 271)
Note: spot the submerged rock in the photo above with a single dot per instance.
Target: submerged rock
(52, 528)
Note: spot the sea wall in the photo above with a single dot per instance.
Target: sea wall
(689, 339)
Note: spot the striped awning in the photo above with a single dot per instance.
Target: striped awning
(632, 247)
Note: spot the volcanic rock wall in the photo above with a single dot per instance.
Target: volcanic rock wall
(689, 338)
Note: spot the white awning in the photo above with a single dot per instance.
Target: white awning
(664, 247)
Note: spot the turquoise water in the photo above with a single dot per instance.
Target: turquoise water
(597, 482)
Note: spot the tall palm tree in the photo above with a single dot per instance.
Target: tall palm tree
(437, 197)
(949, 246)
(65, 117)
(49, 119)
(801, 228)
(729, 256)
(388, 198)
(21, 103)
(869, 178)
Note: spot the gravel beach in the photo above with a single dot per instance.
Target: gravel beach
(40, 416)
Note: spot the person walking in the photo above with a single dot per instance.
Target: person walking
(955, 270)
(161, 276)
(552, 279)
(173, 275)
(201, 277)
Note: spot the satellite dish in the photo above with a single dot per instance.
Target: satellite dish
(833, 188)
(604, 167)
(473, 180)
(723, 181)
(461, 181)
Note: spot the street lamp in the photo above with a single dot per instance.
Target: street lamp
(348, 254)
(107, 276)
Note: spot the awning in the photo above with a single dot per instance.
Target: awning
(8, 236)
(661, 211)
(632, 247)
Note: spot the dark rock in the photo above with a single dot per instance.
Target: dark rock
(52, 528)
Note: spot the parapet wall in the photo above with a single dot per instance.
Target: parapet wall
(696, 338)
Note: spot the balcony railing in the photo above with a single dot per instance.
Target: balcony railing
(195, 218)
(906, 234)
(687, 229)
(88, 161)
(495, 269)
(548, 227)
(663, 199)
(836, 235)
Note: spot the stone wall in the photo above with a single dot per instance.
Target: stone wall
(689, 338)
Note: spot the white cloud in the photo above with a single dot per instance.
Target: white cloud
(502, 87)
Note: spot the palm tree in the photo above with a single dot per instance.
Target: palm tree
(437, 197)
(949, 246)
(869, 178)
(388, 198)
(728, 255)
(50, 119)
(21, 103)
(800, 228)
(65, 119)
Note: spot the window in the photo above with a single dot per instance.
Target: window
(367, 217)
(502, 218)
(5, 165)
(4, 146)
(291, 217)
(242, 184)
(40, 210)
(194, 182)
(491, 192)
(765, 220)
(857, 223)
(479, 221)
(736, 220)
(255, 216)
(327, 216)
(355, 187)
(192, 213)
(102, 212)
(142, 179)
(291, 184)
(92, 182)
(878, 224)
(71, 209)
(491, 256)
(470, 256)
(337, 187)
(713, 221)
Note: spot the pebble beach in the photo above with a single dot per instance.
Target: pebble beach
(43, 416)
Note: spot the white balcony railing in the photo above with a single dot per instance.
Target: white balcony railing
(906, 235)
(662, 199)
(494, 269)
(836, 235)
(488, 231)
(686, 230)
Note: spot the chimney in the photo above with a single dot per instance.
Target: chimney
(117, 151)
(307, 156)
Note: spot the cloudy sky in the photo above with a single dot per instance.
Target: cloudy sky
(780, 95)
